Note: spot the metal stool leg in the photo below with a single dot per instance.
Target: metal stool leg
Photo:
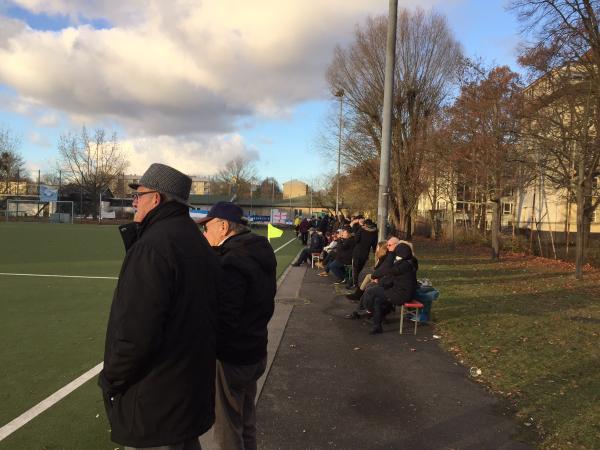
(416, 319)
(401, 317)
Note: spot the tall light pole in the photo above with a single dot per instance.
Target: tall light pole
(386, 129)
(340, 94)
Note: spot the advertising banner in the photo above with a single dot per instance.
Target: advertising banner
(198, 213)
(279, 216)
(48, 193)
(259, 219)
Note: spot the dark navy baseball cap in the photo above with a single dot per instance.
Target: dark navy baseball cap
(226, 211)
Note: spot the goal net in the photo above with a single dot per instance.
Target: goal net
(34, 210)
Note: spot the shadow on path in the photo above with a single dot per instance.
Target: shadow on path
(332, 385)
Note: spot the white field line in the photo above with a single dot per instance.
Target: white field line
(288, 242)
(50, 401)
(90, 277)
(55, 276)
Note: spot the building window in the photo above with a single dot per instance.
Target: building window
(507, 208)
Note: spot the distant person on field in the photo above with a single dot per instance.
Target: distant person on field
(246, 304)
(303, 230)
(297, 221)
(159, 361)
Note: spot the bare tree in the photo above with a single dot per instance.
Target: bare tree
(269, 188)
(91, 163)
(563, 52)
(12, 165)
(235, 178)
(427, 57)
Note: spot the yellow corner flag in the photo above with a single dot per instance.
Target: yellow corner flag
(273, 232)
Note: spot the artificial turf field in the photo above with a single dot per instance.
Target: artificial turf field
(52, 329)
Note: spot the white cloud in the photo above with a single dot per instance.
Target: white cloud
(183, 66)
(48, 120)
(193, 154)
(39, 139)
(176, 69)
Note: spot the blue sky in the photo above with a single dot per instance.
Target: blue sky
(250, 86)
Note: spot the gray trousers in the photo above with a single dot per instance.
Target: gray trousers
(235, 408)
(191, 444)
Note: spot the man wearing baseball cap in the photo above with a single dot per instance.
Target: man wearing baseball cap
(246, 305)
(159, 360)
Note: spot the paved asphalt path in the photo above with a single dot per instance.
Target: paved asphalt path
(332, 385)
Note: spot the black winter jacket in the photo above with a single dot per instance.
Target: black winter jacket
(344, 250)
(398, 277)
(159, 358)
(317, 242)
(247, 298)
(366, 239)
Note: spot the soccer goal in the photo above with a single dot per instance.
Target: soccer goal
(34, 210)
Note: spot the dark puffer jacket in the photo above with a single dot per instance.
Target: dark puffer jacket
(366, 239)
(159, 359)
(247, 299)
(398, 275)
(317, 242)
(344, 250)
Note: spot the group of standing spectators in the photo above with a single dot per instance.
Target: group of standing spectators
(344, 254)
(187, 334)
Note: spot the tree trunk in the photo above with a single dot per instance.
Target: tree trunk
(496, 229)
(580, 238)
(452, 224)
(404, 224)
(567, 224)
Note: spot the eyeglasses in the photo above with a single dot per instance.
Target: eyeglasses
(203, 227)
(136, 195)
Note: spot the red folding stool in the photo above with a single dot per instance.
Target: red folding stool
(413, 306)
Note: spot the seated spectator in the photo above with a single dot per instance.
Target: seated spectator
(317, 242)
(343, 257)
(384, 264)
(396, 285)
(380, 254)
(328, 253)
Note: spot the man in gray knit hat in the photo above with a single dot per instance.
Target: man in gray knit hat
(159, 360)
